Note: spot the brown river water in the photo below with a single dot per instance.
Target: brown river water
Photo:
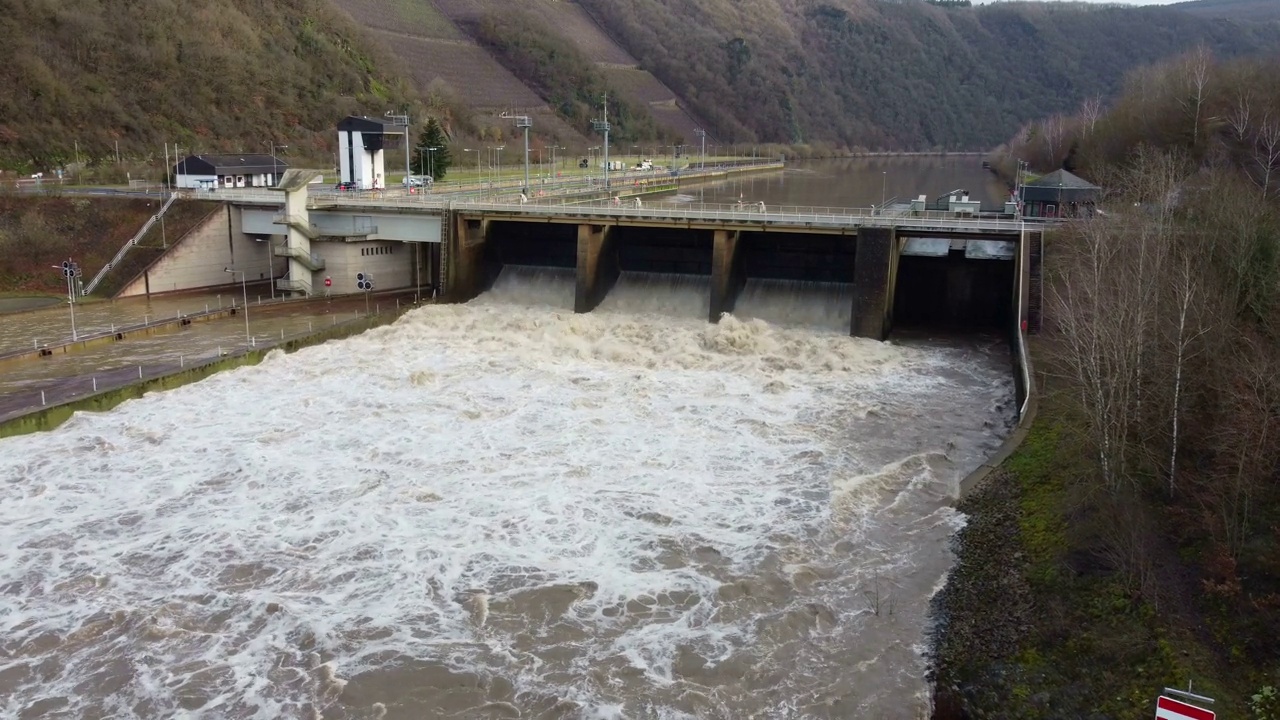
(505, 510)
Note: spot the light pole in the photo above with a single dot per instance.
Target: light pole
(884, 181)
(243, 288)
(477, 152)
(603, 126)
(555, 168)
(404, 121)
(525, 122)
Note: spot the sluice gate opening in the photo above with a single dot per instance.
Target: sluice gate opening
(955, 284)
(865, 283)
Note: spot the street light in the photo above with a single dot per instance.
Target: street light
(275, 165)
(525, 122)
(477, 152)
(602, 126)
(243, 288)
(884, 180)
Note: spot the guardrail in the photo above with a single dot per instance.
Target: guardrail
(713, 212)
(93, 284)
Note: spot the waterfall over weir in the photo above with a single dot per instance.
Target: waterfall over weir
(816, 306)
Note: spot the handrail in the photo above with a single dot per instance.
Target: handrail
(1023, 363)
(88, 289)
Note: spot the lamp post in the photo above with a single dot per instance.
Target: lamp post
(884, 181)
(403, 120)
(477, 152)
(602, 126)
(524, 122)
(243, 288)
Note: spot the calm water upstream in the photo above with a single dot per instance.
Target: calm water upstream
(856, 182)
(506, 510)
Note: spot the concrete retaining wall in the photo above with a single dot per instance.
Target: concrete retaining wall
(197, 260)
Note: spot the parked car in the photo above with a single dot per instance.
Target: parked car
(418, 181)
(346, 185)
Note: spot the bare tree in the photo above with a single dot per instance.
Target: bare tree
(1054, 131)
(1267, 150)
(1090, 111)
(1197, 66)
(1187, 331)
(1238, 118)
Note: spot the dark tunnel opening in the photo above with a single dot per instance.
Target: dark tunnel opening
(797, 256)
(667, 251)
(953, 292)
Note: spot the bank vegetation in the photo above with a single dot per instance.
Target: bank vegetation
(1146, 508)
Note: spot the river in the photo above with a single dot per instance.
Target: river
(503, 509)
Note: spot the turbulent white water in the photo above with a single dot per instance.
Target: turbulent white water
(500, 510)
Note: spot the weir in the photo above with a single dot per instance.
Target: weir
(897, 267)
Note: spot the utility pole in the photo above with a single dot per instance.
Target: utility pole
(603, 126)
(402, 120)
(524, 122)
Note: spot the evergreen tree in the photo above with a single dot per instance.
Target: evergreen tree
(433, 151)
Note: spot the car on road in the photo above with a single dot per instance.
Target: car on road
(346, 185)
(419, 181)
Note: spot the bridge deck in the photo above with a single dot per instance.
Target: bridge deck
(696, 215)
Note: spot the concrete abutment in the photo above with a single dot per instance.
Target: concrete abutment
(467, 266)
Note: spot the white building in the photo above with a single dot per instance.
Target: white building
(211, 172)
(362, 143)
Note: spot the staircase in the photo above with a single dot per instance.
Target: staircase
(88, 289)
(294, 286)
(302, 225)
(310, 261)
(446, 229)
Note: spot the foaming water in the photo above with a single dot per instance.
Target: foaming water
(535, 286)
(495, 510)
(813, 305)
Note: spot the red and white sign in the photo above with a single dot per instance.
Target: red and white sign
(328, 282)
(1169, 709)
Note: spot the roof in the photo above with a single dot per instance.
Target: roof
(228, 164)
(368, 124)
(1061, 179)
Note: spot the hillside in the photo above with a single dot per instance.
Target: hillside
(907, 74)
(83, 75)
(1232, 9)
(496, 57)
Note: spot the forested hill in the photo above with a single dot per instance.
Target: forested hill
(230, 75)
(236, 75)
(908, 74)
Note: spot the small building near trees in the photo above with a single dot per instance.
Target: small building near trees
(212, 172)
(1059, 194)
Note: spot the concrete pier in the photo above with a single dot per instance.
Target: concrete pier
(727, 273)
(597, 266)
(466, 252)
(875, 274)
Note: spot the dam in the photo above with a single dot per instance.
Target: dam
(902, 265)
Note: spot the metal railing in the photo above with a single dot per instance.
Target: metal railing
(808, 216)
(124, 250)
